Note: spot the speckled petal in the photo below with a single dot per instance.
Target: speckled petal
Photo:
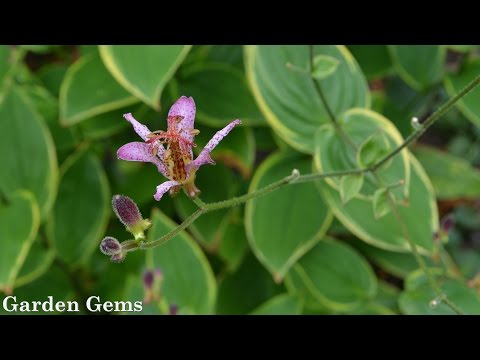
(138, 151)
(204, 156)
(184, 106)
(163, 188)
(143, 131)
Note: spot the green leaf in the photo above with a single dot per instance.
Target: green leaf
(452, 177)
(362, 127)
(4, 62)
(373, 149)
(233, 246)
(284, 225)
(462, 48)
(19, 222)
(297, 287)
(421, 66)
(420, 216)
(470, 104)
(38, 261)
(417, 297)
(381, 206)
(31, 162)
(82, 209)
(395, 263)
(246, 289)
(324, 66)
(336, 275)
(143, 70)
(221, 95)
(47, 105)
(216, 183)
(288, 98)
(284, 304)
(188, 278)
(350, 186)
(373, 59)
(88, 90)
(237, 150)
(110, 123)
(55, 283)
(51, 76)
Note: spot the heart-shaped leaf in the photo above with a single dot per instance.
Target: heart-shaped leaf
(420, 299)
(88, 90)
(31, 162)
(336, 275)
(420, 217)
(284, 304)
(284, 225)
(470, 104)
(324, 66)
(221, 94)
(143, 70)
(19, 221)
(188, 278)
(350, 185)
(420, 66)
(452, 177)
(288, 98)
(82, 208)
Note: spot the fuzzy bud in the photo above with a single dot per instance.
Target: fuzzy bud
(129, 214)
(110, 246)
(118, 258)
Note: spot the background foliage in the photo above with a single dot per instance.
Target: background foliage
(313, 248)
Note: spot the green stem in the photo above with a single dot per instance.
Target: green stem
(429, 121)
(295, 177)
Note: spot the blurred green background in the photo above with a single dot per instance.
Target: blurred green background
(299, 250)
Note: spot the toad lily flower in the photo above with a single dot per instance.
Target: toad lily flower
(175, 161)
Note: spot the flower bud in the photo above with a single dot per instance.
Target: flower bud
(128, 213)
(118, 258)
(110, 246)
(447, 223)
(152, 282)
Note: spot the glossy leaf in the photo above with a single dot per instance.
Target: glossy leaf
(283, 226)
(417, 297)
(221, 94)
(88, 90)
(470, 104)
(237, 150)
(284, 304)
(337, 275)
(188, 279)
(37, 262)
(81, 212)
(143, 70)
(369, 134)
(288, 98)
(216, 183)
(246, 289)
(395, 263)
(386, 233)
(31, 162)
(350, 186)
(373, 59)
(19, 222)
(452, 177)
(381, 205)
(324, 66)
(421, 66)
(233, 246)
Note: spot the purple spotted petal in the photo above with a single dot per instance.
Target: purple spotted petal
(138, 151)
(185, 106)
(163, 188)
(143, 131)
(204, 156)
(139, 128)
